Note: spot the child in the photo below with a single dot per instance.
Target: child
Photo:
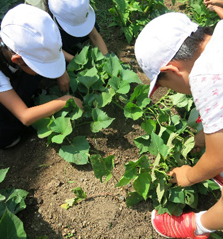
(174, 52)
(30, 44)
(215, 5)
(76, 22)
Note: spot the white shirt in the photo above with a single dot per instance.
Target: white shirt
(206, 82)
(5, 84)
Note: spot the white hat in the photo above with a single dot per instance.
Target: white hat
(76, 17)
(160, 40)
(32, 34)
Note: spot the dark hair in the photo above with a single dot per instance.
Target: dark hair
(3, 64)
(190, 46)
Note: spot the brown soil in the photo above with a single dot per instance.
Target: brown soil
(49, 180)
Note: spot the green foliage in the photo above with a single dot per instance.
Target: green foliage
(11, 202)
(77, 152)
(11, 227)
(80, 195)
(131, 16)
(99, 80)
(5, 5)
(102, 166)
(198, 12)
(169, 138)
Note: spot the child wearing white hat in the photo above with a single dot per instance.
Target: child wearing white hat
(30, 44)
(76, 22)
(175, 53)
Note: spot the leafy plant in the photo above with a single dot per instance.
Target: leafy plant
(11, 202)
(5, 5)
(99, 80)
(168, 139)
(131, 16)
(80, 195)
(199, 13)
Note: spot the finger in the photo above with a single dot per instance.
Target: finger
(170, 174)
(173, 180)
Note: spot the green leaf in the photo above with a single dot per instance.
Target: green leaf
(11, 227)
(149, 126)
(42, 127)
(192, 120)
(160, 190)
(191, 198)
(143, 162)
(130, 76)
(101, 120)
(97, 54)
(217, 235)
(104, 99)
(188, 146)
(176, 195)
(82, 57)
(3, 173)
(62, 126)
(180, 100)
(142, 184)
(157, 145)
(102, 166)
(128, 31)
(140, 91)
(74, 111)
(112, 66)
(133, 198)
(14, 200)
(171, 208)
(80, 194)
(132, 111)
(77, 152)
(89, 78)
(130, 174)
(120, 86)
(143, 143)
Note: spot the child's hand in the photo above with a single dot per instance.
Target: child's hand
(64, 82)
(199, 142)
(78, 102)
(179, 176)
(211, 7)
(213, 2)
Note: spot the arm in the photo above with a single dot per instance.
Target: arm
(208, 166)
(98, 41)
(217, 9)
(68, 56)
(64, 82)
(29, 115)
(199, 139)
(213, 2)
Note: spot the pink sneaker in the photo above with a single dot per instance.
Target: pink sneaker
(219, 180)
(182, 227)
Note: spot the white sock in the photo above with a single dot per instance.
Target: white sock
(200, 229)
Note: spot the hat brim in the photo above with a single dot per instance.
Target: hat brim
(82, 29)
(49, 70)
(151, 88)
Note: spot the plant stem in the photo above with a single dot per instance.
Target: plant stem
(117, 105)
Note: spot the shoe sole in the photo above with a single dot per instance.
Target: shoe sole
(152, 217)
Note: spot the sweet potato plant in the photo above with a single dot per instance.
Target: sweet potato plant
(166, 143)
